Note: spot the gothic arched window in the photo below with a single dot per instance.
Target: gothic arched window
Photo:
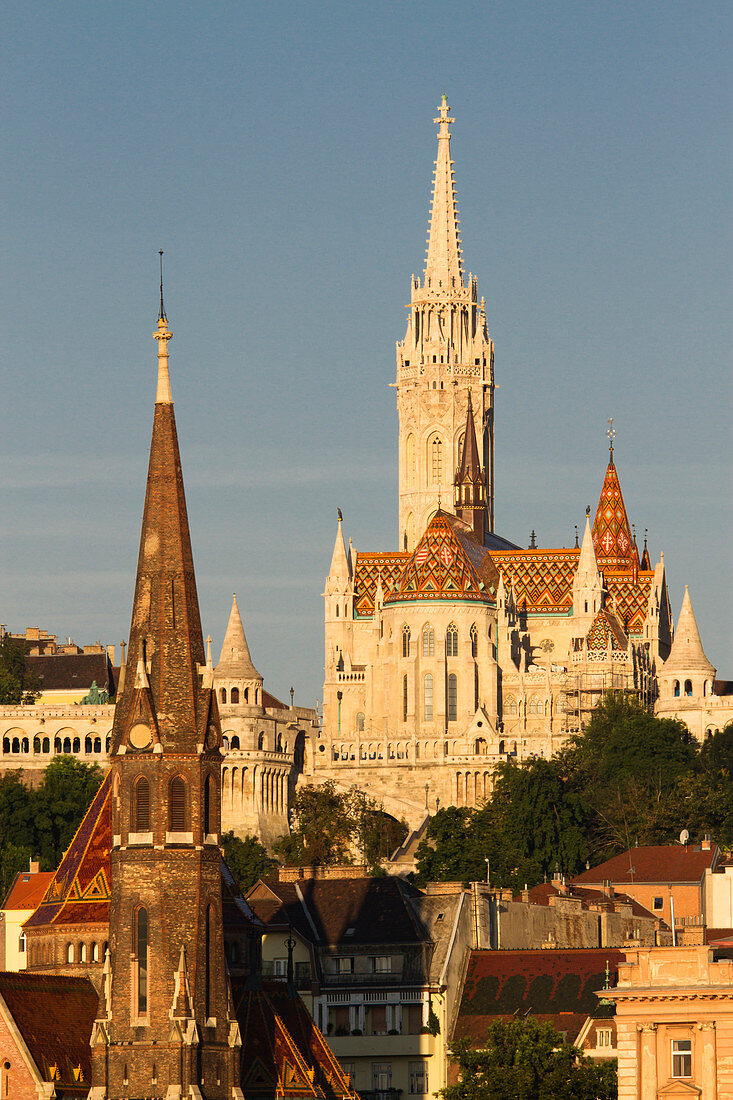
(223, 695)
(404, 698)
(209, 804)
(141, 961)
(360, 722)
(410, 460)
(428, 641)
(405, 641)
(234, 695)
(676, 688)
(177, 804)
(435, 459)
(451, 641)
(474, 639)
(141, 805)
(452, 697)
(428, 697)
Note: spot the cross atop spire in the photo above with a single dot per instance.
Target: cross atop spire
(611, 433)
(443, 262)
(163, 335)
(161, 314)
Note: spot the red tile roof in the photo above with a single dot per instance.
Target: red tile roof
(371, 566)
(27, 889)
(55, 1017)
(448, 563)
(72, 671)
(558, 986)
(653, 863)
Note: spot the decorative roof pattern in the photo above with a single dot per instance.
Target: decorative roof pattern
(605, 630)
(79, 892)
(612, 539)
(369, 568)
(547, 983)
(54, 1015)
(542, 580)
(285, 1053)
(447, 563)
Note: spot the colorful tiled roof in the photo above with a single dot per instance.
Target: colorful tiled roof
(369, 568)
(629, 597)
(654, 863)
(283, 1052)
(447, 563)
(27, 889)
(79, 891)
(605, 630)
(542, 579)
(612, 539)
(554, 985)
(54, 1015)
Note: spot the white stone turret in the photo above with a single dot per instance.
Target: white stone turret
(587, 585)
(687, 673)
(235, 674)
(446, 353)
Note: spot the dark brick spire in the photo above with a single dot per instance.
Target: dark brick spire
(165, 689)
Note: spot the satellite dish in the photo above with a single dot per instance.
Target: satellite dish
(684, 836)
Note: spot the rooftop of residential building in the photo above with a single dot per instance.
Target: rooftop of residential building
(655, 863)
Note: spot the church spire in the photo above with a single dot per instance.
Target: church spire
(166, 644)
(235, 661)
(443, 263)
(612, 538)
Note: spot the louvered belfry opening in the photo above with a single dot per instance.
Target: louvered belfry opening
(177, 805)
(142, 805)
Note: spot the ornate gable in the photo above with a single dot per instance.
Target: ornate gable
(440, 567)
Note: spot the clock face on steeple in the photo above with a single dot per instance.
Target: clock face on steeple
(140, 735)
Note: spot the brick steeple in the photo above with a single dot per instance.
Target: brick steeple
(470, 486)
(165, 1027)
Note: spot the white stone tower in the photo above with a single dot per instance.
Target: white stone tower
(446, 354)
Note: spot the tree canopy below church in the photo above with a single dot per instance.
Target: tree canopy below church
(41, 821)
(629, 778)
(334, 826)
(528, 1060)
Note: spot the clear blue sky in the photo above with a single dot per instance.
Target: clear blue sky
(281, 154)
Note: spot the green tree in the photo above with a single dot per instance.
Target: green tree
(60, 802)
(526, 1060)
(17, 829)
(247, 859)
(18, 685)
(334, 826)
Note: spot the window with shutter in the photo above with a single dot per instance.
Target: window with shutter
(141, 816)
(177, 805)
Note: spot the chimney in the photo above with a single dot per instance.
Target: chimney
(707, 843)
(608, 888)
(34, 866)
(111, 654)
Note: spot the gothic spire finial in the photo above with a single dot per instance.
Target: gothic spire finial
(443, 262)
(161, 314)
(611, 433)
(163, 395)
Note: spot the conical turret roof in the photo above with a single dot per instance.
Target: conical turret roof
(612, 539)
(687, 654)
(470, 468)
(235, 662)
(166, 643)
(339, 561)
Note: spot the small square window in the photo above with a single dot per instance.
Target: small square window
(659, 903)
(604, 1037)
(682, 1057)
(345, 965)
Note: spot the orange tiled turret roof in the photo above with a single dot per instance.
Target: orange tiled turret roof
(612, 539)
(369, 568)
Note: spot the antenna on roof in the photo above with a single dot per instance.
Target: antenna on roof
(684, 836)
